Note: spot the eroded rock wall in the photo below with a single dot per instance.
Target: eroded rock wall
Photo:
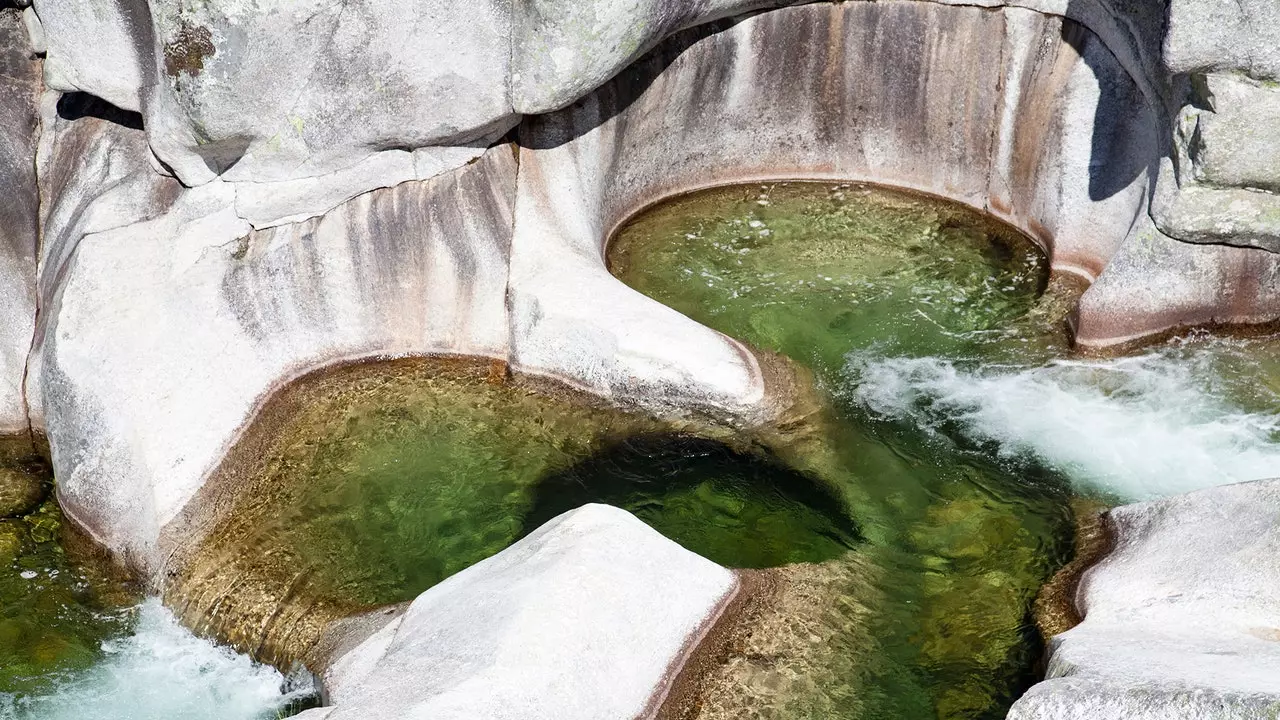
(19, 214)
(306, 104)
(216, 315)
(1024, 114)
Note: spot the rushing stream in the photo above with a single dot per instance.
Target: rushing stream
(905, 528)
(78, 642)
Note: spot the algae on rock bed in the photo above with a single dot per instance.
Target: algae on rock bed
(60, 598)
(369, 484)
(959, 539)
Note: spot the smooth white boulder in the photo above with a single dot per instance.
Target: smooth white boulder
(588, 618)
(1181, 620)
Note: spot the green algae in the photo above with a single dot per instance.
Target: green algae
(374, 482)
(960, 541)
(368, 484)
(59, 599)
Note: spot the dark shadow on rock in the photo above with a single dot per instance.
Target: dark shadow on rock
(78, 105)
(739, 509)
(543, 132)
(1115, 161)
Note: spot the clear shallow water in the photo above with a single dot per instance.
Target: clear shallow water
(958, 541)
(383, 479)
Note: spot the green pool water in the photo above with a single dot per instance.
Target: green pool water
(383, 479)
(368, 484)
(959, 538)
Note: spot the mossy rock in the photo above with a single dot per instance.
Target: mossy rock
(20, 492)
(13, 537)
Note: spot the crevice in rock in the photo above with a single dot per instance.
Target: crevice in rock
(23, 388)
(997, 117)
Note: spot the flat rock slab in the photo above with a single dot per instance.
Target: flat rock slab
(1182, 621)
(587, 618)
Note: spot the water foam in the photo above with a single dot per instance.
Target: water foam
(163, 672)
(1179, 419)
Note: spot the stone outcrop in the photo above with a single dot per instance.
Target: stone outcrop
(1181, 621)
(1216, 189)
(588, 618)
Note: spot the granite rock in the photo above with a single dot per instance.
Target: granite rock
(587, 618)
(1180, 620)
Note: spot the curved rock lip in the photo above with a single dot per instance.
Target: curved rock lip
(1179, 619)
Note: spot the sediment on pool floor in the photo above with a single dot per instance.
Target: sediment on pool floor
(366, 485)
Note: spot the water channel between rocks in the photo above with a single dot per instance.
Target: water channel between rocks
(902, 529)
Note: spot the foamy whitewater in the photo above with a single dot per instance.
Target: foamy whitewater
(1159, 424)
(162, 672)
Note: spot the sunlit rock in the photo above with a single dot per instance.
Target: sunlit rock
(587, 618)
(1215, 35)
(1181, 621)
(102, 47)
(1156, 284)
(136, 425)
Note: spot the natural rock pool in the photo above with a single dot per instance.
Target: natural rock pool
(898, 530)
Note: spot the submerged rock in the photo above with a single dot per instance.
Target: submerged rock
(13, 536)
(20, 492)
(1181, 620)
(585, 619)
